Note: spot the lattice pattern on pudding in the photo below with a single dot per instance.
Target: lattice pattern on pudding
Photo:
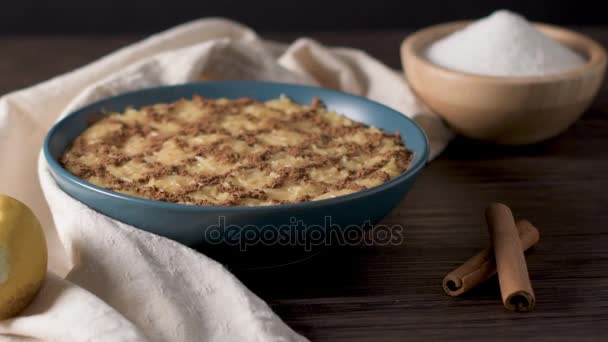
(234, 152)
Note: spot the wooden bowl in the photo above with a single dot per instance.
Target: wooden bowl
(505, 110)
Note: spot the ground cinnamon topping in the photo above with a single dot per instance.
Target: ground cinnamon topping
(234, 152)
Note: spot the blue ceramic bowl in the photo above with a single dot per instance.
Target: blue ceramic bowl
(193, 224)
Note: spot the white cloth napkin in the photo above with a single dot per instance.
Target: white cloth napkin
(121, 283)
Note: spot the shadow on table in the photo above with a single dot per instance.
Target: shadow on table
(280, 272)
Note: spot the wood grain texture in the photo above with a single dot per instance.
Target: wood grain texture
(394, 293)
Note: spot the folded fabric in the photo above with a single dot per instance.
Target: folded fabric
(166, 291)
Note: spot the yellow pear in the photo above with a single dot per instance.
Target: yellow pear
(23, 256)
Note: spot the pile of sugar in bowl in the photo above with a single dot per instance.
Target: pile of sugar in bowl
(503, 44)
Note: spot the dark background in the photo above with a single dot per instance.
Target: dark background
(146, 16)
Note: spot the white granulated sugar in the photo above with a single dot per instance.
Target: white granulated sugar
(503, 44)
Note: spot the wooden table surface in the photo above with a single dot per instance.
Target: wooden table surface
(379, 293)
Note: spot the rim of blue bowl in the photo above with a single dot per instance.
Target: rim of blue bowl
(59, 171)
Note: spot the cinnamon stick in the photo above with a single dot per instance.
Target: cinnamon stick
(482, 266)
(515, 286)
